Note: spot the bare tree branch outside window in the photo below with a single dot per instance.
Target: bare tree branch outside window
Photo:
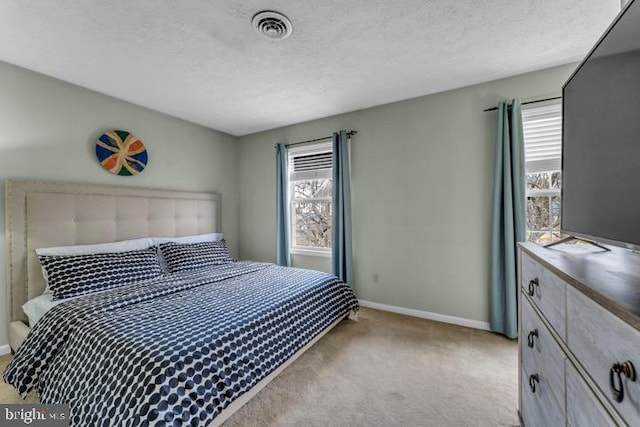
(311, 212)
(543, 206)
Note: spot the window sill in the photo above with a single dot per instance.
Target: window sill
(310, 252)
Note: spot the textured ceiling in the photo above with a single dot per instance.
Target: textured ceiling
(201, 61)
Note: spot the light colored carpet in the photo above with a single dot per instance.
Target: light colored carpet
(387, 370)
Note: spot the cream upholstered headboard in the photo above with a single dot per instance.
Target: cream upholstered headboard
(43, 214)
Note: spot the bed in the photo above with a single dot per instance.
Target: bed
(186, 348)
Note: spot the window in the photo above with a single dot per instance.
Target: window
(310, 192)
(542, 128)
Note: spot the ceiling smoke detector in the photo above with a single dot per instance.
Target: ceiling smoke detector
(272, 25)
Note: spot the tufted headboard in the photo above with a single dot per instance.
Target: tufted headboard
(43, 214)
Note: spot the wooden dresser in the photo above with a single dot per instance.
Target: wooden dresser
(579, 317)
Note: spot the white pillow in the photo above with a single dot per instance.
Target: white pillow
(197, 238)
(185, 240)
(99, 248)
(37, 307)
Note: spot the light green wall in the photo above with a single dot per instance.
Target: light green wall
(48, 128)
(421, 177)
(422, 173)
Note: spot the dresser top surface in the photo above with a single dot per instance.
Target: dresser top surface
(612, 279)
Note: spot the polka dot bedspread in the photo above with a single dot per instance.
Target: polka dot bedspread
(175, 350)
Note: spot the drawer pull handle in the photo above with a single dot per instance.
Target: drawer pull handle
(531, 338)
(617, 370)
(533, 379)
(533, 282)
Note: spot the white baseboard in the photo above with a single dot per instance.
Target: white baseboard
(475, 324)
(5, 349)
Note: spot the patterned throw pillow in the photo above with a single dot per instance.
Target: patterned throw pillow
(75, 275)
(195, 255)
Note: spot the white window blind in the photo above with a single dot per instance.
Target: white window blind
(312, 163)
(542, 128)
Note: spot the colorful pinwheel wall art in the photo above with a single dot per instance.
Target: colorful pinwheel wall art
(121, 153)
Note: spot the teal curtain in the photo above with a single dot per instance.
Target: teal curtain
(283, 257)
(342, 261)
(508, 219)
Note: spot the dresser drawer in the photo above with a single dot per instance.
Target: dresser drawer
(547, 291)
(538, 408)
(583, 408)
(598, 339)
(545, 357)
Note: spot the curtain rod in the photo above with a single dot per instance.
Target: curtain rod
(528, 102)
(349, 134)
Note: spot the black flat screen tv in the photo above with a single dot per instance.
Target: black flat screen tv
(601, 138)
